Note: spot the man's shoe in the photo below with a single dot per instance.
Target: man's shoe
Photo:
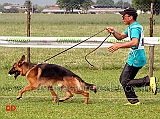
(153, 85)
(137, 103)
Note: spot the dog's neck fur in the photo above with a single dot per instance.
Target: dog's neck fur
(27, 66)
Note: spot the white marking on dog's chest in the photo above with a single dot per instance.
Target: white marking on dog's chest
(27, 73)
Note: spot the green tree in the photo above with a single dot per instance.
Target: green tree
(7, 4)
(1, 8)
(40, 9)
(105, 2)
(145, 5)
(69, 5)
(86, 4)
(122, 4)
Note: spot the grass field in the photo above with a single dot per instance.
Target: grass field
(107, 102)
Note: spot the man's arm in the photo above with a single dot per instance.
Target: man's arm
(118, 36)
(116, 46)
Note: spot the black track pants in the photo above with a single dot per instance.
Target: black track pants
(128, 82)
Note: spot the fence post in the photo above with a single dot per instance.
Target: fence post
(151, 48)
(28, 28)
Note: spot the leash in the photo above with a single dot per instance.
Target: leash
(73, 46)
(95, 50)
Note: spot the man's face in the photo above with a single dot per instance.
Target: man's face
(126, 19)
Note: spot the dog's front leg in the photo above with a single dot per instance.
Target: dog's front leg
(53, 93)
(27, 88)
(86, 94)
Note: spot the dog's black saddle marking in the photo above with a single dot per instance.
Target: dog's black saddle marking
(55, 71)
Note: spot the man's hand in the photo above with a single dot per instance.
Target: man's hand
(110, 30)
(114, 47)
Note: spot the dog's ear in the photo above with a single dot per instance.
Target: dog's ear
(22, 58)
(21, 61)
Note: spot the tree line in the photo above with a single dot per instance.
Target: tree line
(14, 9)
(144, 5)
(69, 5)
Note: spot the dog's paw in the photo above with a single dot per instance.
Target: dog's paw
(60, 100)
(19, 97)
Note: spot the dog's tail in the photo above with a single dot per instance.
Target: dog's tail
(91, 87)
(87, 86)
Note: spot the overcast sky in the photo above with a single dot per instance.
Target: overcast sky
(40, 2)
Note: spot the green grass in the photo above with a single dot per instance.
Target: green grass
(68, 25)
(107, 102)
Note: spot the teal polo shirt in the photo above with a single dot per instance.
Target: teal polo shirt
(137, 56)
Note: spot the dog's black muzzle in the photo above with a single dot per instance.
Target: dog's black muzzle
(15, 72)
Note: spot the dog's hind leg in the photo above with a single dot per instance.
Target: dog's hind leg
(27, 88)
(85, 94)
(53, 93)
(68, 96)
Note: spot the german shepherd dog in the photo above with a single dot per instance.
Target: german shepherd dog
(40, 75)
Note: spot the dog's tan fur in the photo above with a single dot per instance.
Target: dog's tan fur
(48, 75)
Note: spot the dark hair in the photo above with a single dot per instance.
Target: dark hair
(135, 16)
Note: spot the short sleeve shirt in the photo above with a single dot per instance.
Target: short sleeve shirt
(137, 57)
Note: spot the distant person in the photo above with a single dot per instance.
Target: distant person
(136, 59)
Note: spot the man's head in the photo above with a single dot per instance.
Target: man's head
(129, 15)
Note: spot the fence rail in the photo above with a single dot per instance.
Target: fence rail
(66, 42)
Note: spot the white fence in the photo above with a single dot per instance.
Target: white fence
(65, 42)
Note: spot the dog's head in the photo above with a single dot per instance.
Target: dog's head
(17, 67)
